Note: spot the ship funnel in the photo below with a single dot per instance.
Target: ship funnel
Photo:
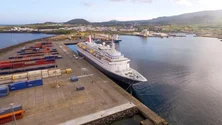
(90, 39)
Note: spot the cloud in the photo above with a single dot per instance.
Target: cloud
(144, 1)
(87, 4)
(182, 2)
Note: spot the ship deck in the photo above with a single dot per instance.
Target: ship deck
(47, 105)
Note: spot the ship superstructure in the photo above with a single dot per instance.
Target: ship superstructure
(110, 61)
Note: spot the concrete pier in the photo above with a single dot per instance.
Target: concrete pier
(101, 101)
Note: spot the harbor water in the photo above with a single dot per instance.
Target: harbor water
(8, 39)
(184, 77)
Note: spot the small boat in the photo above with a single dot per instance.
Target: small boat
(116, 38)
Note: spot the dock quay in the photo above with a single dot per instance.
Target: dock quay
(57, 102)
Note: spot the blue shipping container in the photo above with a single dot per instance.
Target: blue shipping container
(33, 83)
(53, 59)
(35, 59)
(50, 57)
(9, 109)
(4, 91)
(17, 86)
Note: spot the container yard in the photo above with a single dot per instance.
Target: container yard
(43, 83)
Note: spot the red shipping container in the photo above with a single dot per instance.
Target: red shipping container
(10, 118)
(5, 66)
(30, 63)
(18, 65)
(5, 62)
(40, 62)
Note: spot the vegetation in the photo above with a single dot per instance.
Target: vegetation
(78, 21)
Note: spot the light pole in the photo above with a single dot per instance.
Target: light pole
(57, 85)
(12, 104)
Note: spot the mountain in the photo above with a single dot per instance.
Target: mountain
(50, 23)
(77, 21)
(202, 17)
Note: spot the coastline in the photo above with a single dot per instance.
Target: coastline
(57, 37)
(209, 36)
(22, 44)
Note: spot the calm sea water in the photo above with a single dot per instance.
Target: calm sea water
(184, 77)
(8, 39)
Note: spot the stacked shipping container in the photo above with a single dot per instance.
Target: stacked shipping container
(6, 114)
(4, 90)
(26, 64)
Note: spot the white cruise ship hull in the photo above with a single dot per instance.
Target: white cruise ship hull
(110, 74)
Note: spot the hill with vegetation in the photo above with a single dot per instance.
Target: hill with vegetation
(77, 21)
(202, 17)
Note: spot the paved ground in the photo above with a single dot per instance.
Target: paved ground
(48, 105)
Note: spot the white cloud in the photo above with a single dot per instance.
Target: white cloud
(144, 1)
(87, 4)
(131, 18)
(182, 2)
(210, 4)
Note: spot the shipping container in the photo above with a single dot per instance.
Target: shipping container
(19, 80)
(18, 65)
(33, 83)
(6, 61)
(50, 59)
(30, 63)
(74, 79)
(4, 90)
(9, 118)
(35, 78)
(9, 109)
(5, 77)
(55, 72)
(19, 76)
(17, 85)
(34, 73)
(8, 113)
(5, 82)
(54, 53)
(26, 63)
(80, 88)
(6, 66)
(45, 73)
(47, 66)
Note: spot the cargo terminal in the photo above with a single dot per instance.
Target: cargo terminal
(46, 83)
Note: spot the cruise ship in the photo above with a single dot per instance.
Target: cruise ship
(109, 61)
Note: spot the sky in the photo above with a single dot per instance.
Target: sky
(39, 11)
